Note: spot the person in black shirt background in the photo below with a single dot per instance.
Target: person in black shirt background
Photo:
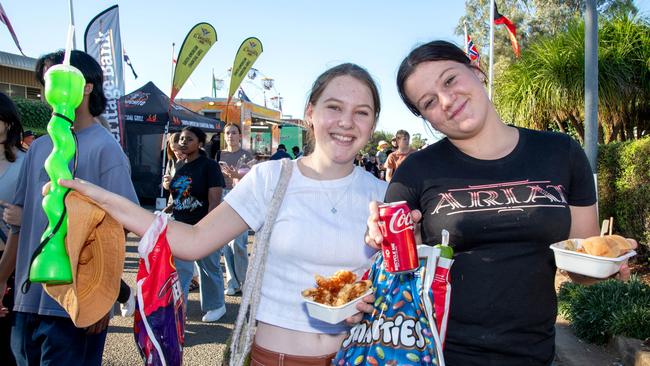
(504, 194)
(372, 166)
(196, 189)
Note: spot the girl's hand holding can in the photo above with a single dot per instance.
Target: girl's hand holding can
(373, 233)
(374, 238)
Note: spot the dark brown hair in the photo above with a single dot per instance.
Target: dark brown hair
(432, 51)
(9, 115)
(90, 69)
(200, 135)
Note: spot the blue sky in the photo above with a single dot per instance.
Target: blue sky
(301, 39)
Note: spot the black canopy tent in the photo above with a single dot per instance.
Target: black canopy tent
(145, 114)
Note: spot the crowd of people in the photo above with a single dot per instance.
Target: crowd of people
(503, 307)
(387, 157)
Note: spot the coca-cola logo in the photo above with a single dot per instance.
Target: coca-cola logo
(400, 221)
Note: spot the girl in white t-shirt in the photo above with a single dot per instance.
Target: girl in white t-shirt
(319, 227)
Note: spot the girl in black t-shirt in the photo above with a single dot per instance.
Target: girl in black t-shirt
(196, 189)
(504, 194)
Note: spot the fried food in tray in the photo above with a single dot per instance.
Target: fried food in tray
(610, 246)
(338, 289)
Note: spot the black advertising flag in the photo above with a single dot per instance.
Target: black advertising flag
(104, 43)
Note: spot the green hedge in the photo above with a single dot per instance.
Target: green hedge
(34, 115)
(624, 188)
(606, 309)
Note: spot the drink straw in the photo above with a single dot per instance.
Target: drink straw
(68, 46)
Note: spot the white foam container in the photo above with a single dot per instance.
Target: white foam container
(586, 264)
(333, 314)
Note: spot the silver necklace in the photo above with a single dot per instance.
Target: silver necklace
(333, 210)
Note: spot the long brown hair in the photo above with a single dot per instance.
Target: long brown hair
(13, 138)
(173, 139)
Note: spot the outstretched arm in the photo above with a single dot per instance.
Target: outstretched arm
(219, 227)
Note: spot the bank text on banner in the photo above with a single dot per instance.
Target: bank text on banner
(104, 43)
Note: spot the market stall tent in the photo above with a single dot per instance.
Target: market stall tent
(146, 112)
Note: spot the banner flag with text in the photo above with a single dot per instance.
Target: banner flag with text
(195, 46)
(103, 42)
(248, 52)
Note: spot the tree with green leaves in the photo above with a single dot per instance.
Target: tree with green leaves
(533, 18)
(544, 89)
(417, 142)
(34, 114)
(371, 146)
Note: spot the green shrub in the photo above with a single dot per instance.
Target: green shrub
(606, 309)
(624, 188)
(34, 115)
(633, 323)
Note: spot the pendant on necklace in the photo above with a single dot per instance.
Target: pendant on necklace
(333, 210)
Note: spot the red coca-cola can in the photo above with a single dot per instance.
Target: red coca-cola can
(399, 247)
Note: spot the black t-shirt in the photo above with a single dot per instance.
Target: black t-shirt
(502, 216)
(372, 168)
(190, 186)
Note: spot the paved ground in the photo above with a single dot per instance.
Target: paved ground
(204, 342)
(570, 351)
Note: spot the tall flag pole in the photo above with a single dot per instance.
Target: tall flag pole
(214, 85)
(5, 19)
(166, 133)
(74, 37)
(512, 29)
(491, 53)
(173, 65)
(466, 37)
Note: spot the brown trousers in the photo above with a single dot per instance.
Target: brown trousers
(264, 357)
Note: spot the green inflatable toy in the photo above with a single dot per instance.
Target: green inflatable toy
(64, 88)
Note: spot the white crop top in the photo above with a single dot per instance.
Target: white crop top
(307, 237)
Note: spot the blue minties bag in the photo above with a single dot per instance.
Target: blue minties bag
(402, 328)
